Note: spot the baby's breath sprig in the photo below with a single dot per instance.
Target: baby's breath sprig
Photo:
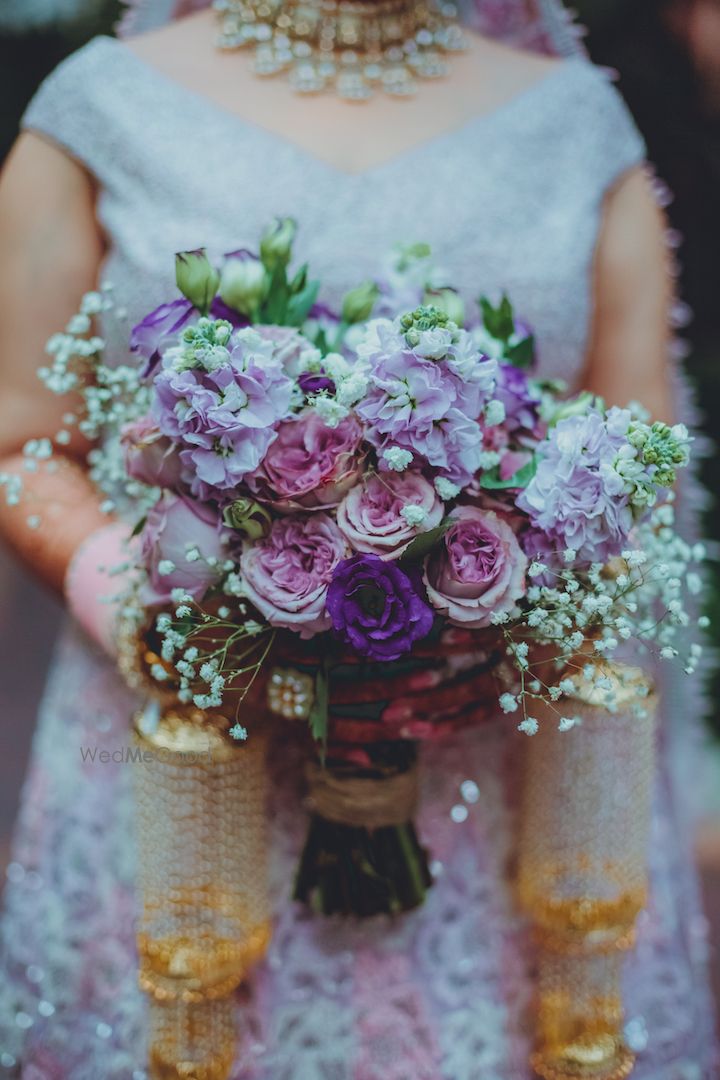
(575, 621)
(210, 656)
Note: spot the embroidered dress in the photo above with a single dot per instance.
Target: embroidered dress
(514, 200)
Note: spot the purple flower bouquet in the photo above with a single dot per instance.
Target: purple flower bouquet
(384, 510)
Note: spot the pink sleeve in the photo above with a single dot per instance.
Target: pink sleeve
(96, 578)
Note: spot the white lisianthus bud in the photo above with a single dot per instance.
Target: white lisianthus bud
(244, 282)
(276, 243)
(358, 304)
(197, 279)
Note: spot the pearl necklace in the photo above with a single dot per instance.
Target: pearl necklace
(350, 46)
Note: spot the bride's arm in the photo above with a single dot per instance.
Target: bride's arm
(628, 351)
(50, 249)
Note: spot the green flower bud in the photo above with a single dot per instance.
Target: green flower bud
(665, 477)
(638, 436)
(406, 256)
(425, 317)
(197, 279)
(448, 301)
(276, 243)
(248, 517)
(358, 303)
(244, 282)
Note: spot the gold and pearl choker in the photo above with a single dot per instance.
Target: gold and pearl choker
(353, 47)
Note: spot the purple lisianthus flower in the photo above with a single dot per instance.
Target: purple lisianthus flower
(478, 570)
(314, 382)
(182, 548)
(220, 310)
(224, 419)
(309, 464)
(286, 574)
(377, 607)
(160, 329)
(576, 498)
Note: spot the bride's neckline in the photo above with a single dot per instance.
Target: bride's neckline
(433, 143)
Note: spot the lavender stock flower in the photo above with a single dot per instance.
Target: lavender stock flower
(427, 397)
(576, 498)
(223, 419)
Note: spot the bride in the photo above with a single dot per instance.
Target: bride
(522, 170)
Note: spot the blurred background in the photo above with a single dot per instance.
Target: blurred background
(667, 56)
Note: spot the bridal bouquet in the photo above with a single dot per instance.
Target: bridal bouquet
(384, 510)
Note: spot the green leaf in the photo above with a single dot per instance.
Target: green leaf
(139, 527)
(499, 321)
(299, 306)
(300, 280)
(318, 718)
(522, 354)
(274, 310)
(491, 481)
(423, 544)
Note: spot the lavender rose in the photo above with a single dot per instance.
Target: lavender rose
(309, 464)
(478, 570)
(385, 513)
(182, 546)
(150, 457)
(377, 607)
(286, 574)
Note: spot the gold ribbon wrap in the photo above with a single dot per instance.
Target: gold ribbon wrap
(582, 872)
(202, 883)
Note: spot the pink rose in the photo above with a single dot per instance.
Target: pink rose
(371, 515)
(150, 457)
(478, 570)
(175, 529)
(309, 465)
(287, 573)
